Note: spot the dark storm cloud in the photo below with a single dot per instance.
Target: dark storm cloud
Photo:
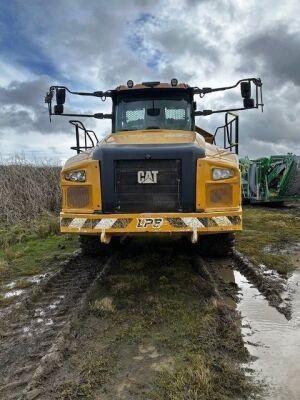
(97, 45)
(22, 109)
(29, 94)
(108, 41)
(275, 52)
(28, 121)
(72, 41)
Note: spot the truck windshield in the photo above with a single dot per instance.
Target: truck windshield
(153, 113)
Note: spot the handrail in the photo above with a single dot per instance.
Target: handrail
(230, 129)
(79, 126)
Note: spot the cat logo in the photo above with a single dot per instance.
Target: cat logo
(147, 176)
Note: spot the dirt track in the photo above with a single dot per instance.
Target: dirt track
(29, 330)
(142, 319)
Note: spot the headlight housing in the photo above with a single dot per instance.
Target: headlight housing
(222, 173)
(75, 176)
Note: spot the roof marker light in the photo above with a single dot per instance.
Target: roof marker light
(174, 82)
(130, 83)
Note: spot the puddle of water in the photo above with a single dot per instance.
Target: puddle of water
(296, 257)
(55, 303)
(278, 352)
(37, 278)
(13, 293)
(27, 331)
(283, 248)
(10, 285)
(39, 312)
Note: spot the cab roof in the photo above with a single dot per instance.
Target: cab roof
(151, 85)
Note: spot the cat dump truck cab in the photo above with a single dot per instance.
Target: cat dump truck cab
(157, 172)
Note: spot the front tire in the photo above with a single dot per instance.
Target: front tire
(218, 245)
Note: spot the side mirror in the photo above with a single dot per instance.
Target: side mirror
(60, 96)
(58, 109)
(246, 90)
(249, 103)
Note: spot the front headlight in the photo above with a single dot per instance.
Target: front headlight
(222, 173)
(75, 176)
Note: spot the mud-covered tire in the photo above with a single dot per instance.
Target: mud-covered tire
(91, 245)
(218, 245)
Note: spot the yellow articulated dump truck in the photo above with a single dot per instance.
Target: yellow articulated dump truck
(156, 172)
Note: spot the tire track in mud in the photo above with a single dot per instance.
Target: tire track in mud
(32, 334)
(172, 291)
(268, 283)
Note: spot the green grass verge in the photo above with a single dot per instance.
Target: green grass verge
(264, 227)
(30, 249)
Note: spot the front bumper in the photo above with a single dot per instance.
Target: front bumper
(202, 223)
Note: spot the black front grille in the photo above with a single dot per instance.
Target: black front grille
(147, 185)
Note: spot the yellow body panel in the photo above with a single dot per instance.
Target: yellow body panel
(218, 203)
(92, 169)
(162, 136)
(205, 184)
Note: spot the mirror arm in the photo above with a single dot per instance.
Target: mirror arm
(102, 95)
(258, 97)
(102, 116)
(209, 112)
(97, 115)
(257, 82)
(108, 93)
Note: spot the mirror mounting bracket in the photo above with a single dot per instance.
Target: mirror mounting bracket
(60, 92)
(245, 92)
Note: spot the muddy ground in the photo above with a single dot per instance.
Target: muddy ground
(156, 320)
(160, 325)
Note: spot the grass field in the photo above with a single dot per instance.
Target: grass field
(267, 235)
(28, 189)
(30, 242)
(28, 249)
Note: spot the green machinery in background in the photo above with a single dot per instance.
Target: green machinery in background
(271, 179)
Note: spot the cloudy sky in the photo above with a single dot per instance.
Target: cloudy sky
(98, 44)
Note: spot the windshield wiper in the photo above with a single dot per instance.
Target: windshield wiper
(153, 127)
